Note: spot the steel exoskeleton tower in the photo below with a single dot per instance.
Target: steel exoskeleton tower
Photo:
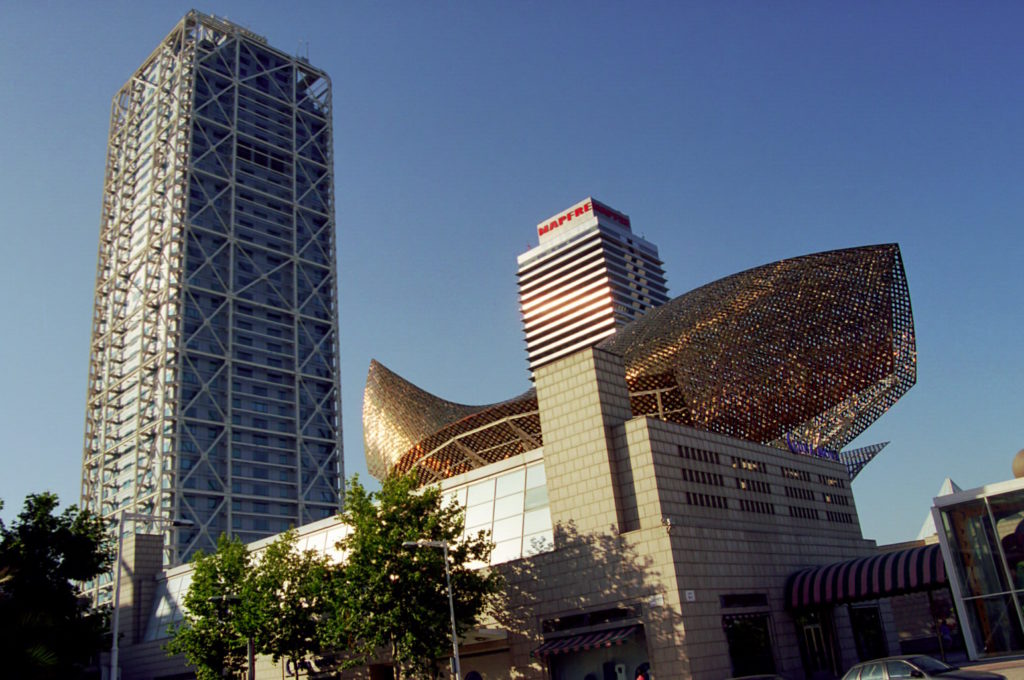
(214, 392)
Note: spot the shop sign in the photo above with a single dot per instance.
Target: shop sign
(805, 449)
(578, 211)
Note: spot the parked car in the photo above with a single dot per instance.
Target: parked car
(913, 666)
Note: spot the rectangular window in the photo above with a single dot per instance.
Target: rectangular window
(510, 483)
(480, 493)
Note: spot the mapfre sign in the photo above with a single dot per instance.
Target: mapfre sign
(580, 211)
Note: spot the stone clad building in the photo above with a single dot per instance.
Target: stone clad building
(677, 540)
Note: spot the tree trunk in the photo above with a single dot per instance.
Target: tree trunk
(394, 660)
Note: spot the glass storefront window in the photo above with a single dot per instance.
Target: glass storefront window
(482, 492)
(506, 551)
(1008, 514)
(543, 541)
(994, 624)
(974, 549)
(510, 483)
(537, 520)
(508, 506)
(535, 477)
(456, 496)
(507, 529)
(479, 517)
(536, 498)
(984, 535)
(513, 507)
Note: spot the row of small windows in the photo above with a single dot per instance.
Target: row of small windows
(759, 507)
(700, 477)
(793, 473)
(803, 494)
(803, 513)
(748, 465)
(757, 486)
(264, 156)
(702, 455)
(705, 500)
(754, 485)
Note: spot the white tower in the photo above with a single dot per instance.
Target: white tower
(589, 275)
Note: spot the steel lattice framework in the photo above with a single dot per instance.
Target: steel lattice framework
(813, 349)
(213, 385)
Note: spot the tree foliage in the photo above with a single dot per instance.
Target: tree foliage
(276, 600)
(394, 597)
(209, 635)
(46, 629)
(284, 600)
(384, 597)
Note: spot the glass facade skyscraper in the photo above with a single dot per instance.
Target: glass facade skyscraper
(214, 394)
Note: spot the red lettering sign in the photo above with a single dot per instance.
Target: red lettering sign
(562, 219)
(611, 214)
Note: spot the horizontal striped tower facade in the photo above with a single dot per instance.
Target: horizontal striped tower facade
(589, 275)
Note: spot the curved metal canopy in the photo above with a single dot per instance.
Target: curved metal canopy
(813, 349)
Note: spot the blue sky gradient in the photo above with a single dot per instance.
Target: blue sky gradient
(732, 133)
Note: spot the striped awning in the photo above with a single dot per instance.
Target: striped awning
(576, 643)
(867, 578)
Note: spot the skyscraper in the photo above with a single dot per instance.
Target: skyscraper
(588, 275)
(213, 391)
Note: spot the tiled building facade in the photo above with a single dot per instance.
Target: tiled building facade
(680, 538)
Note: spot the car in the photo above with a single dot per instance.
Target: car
(913, 666)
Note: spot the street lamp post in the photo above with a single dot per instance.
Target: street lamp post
(451, 603)
(123, 517)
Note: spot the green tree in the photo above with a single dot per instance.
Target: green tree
(284, 600)
(46, 629)
(395, 598)
(209, 635)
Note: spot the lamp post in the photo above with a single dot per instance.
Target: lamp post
(443, 545)
(123, 517)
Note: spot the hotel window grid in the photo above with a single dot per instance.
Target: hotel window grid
(213, 366)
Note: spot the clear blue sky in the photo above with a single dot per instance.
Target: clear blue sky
(732, 133)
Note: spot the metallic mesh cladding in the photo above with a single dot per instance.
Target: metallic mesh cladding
(437, 437)
(814, 347)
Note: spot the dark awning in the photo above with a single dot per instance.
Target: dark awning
(868, 578)
(575, 643)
